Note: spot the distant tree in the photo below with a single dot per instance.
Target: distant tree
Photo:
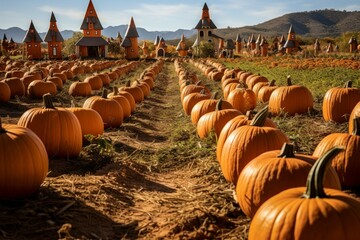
(205, 49)
(69, 44)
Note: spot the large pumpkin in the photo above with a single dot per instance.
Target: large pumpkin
(58, 128)
(310, 212)
(242, 99)
(122, 100)
(290, 99)
(109, 109)
(339, 102)
(23, 161)
(206, 106)
(346, 163)
(272, 172)
(192, 99)
(247, 142)
(38, 88)
(80, 89)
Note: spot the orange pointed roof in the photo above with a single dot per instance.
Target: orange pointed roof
(53, 32)
(205, 21)
(91, 18)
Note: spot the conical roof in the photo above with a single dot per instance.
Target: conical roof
(91, 17)
(131, 31)
(32, 35)
(4, 37)
(52, 18)
(238, 38)
(157, 40)
(53, 32)
(205, 7)
(182, 45)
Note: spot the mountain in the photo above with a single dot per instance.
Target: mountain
(318, 23)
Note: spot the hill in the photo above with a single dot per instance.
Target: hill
(318, 23)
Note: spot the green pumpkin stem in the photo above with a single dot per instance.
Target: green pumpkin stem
(356, 126)
(219, 105)
(314, 183)
(288, 80)
(260, 117)
(348, 84)
(104, 93)
(287, 151)
(47, 100)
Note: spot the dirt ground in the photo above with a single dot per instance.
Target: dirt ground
(152, 178)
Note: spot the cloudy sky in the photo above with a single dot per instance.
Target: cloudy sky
(157, 14)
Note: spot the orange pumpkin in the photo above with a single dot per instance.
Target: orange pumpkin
(17, 87)
(354, 114)
(206, 106)
(310, 212)
(23, 160)
(122, 100)
(266, 91)
(80, 89)
(339, 102)
(5, 92)
(58, 128)
(247, 142)
(272, 172)
(242, 99)
(135, 91)
(192, 99)
(38, 88)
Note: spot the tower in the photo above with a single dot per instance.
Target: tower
(238, 44)
(181, 48)
(32, 43)
(54, 39)
(91, 45)
(291, 45)
(205, 26)
(130, 41)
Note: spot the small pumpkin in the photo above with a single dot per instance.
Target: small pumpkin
(310, 212)
(242, 99)
(80, 89)
(135, 91)
(5, 92)
(58, 128)
(122, 100)
(272, 172)
(338, 102)
(95, 82)
(17, 87)
(23, 160)
(206, 106)
(192, 99)
(266, 91)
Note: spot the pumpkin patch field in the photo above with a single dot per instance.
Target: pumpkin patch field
(177, 148)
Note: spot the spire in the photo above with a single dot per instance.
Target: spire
(238, 38)
(157, 40)
(32, 35)
(205, 7)
(182, 44)
(131, 31)
(4, 38)
(52, 18)
(205, 21)
(91, 20)
(291, 30)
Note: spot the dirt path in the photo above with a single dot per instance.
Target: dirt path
(152, 178)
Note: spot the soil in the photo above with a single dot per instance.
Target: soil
(151, 178)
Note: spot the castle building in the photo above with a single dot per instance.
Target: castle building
(291, 45)
(54, 39)
(238, 45)
(181, 48)
(91, 45)
(130, 42)
(161, 48)
(32, 43)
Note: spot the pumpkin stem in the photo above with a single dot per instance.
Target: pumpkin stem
(127, 83)
(248, 115)
(214, 96)
(272, 83)
(288, 80)
(348, 84)
(314, 183)
(219, 105)
(47, 100)
(104, 93)
(260, 117)
(356, 126)
(115, 91)
(287, 151)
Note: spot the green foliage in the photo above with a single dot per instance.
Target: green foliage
(69, 44)
(205, 49)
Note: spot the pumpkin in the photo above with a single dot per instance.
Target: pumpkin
(266, 91)
(228, 81)
(23, 160)
(135, 91)
(191, 88)
(57, 81)
(109, 109)
(310, 212)
(144, 87)
(215, 120)
(233, 124)
(242, 99)
(247, 142)
(192, 99)
(17, 87)
(90, 121)
(252, 80)
(129, 97)
(347, 163)
(354, 113)
(95, 82)
(122, 100)
(58, 128)
(149, 81)
(206, 106)
(38, 88)
(80, 89)
(339, 102)
(290, 99)
(272, 172)
(5, 92)
(105, 79)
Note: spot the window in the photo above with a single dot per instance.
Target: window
(210, 33)
(96, 32)
(88, 33)
(53, 25)
(35, 45)
(210, 41)
(29, 46)
(201, 34)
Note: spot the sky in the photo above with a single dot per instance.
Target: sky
(157, 15)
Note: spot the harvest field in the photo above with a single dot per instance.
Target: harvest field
(153, 177)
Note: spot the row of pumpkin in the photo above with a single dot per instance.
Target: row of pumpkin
(270, 178)
(49, 132)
